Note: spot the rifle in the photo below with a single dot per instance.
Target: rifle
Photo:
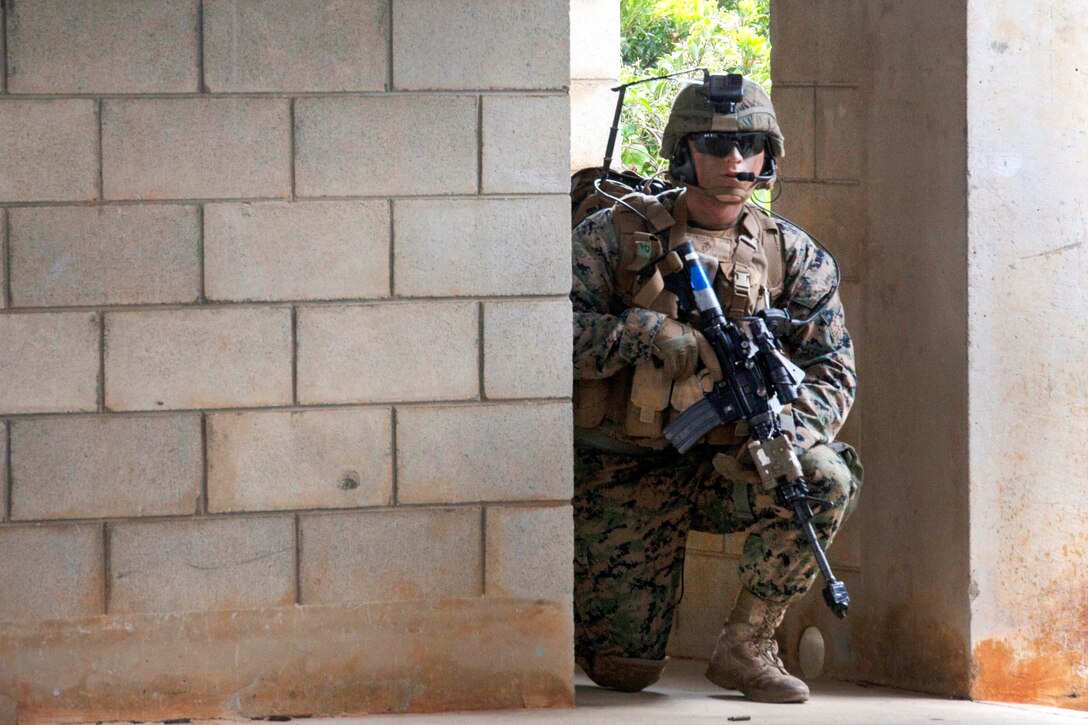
(757, 380)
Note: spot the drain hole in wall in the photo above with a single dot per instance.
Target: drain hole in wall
(810, 651)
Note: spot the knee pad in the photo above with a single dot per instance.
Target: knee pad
(831, 477)
(626, 674)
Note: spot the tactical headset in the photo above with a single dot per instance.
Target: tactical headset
(682, 167)
(723, 93)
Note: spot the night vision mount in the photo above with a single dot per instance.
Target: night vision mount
(723, 91)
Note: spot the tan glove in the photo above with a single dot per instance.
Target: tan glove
(679, 348)
(676, 348)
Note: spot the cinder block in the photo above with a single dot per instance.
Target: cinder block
(527, 349)
(481, 246)
(300, 460)
(202, 564)
(382, 145)
(49, 362)
(4, 470)
(295, 45)
(400, 658)
(390, 555)
(594, 39)
(196, 148)
(708, 584)
(835, 213)
(49, 150)
(104, 255)
(105, 466)
(480, 44)
(839, 133)
(3, 46)
(464, 453)
(3, 254)
(818, 40)
(525, 144)
(388, 352)
(307, 250)
(51, 572)
(198, 358)
(529, 552)
(592, 106)
(103, 46)
(795, 108)
(710, 587)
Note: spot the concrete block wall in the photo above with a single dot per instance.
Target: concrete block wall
(594, 69)
(284, 341)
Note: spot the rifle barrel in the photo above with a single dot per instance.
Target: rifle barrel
(835, 591)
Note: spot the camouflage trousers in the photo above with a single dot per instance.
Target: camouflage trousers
(632, 515)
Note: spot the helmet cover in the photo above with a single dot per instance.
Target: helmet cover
(693, 112)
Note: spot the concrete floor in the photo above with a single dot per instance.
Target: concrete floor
(684, 696)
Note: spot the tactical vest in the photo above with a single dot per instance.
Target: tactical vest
(749, 274)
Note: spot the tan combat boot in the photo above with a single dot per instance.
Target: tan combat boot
(746, 656)
(626, 674)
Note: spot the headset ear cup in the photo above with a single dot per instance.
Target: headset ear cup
(681, 166)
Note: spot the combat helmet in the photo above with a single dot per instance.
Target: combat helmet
(720, 103)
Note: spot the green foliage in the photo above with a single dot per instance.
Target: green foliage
(664, 36)
(646, 34)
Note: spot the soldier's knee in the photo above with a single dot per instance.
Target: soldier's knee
(626, 674)
(830, 478)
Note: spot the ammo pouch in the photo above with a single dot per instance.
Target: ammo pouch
(650, 392)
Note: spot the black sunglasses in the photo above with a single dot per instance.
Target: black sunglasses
(721, 144)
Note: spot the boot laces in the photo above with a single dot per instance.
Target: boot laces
(767, 650)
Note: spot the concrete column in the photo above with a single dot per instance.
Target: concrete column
(913, 627)
(1027, 106)
(972, 520)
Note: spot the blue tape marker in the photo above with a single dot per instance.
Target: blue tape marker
(705, 299)
(698, 277)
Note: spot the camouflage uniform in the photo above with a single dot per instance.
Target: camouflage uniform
(634, 507)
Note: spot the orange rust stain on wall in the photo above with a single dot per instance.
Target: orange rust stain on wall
(403, 656)
(1047, 676)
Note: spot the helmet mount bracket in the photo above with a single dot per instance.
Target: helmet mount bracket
(723, 92)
